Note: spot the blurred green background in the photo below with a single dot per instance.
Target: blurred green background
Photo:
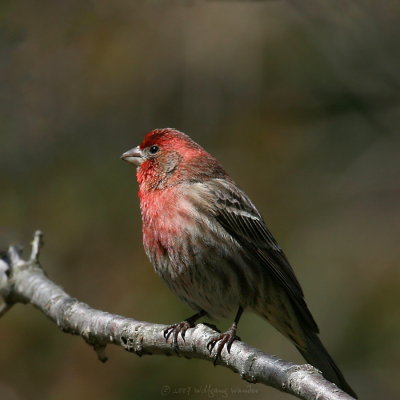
(299, 101)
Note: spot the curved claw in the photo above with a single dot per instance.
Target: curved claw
(175, 329)
(211, 344)
(168, 331)
(230, 341)
(226, 338)
(183, 332)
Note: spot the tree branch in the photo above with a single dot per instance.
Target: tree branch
(24, 281)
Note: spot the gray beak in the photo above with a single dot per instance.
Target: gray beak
(133, 156)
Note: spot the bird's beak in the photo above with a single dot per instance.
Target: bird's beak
(133, 156)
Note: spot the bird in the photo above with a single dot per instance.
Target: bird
(209, 243)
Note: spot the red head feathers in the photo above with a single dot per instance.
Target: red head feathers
(166, 157)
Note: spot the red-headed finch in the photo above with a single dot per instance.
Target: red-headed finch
(211, 246)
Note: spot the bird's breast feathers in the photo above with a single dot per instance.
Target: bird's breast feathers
(178, 211)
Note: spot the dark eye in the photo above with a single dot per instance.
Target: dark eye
(153, 149)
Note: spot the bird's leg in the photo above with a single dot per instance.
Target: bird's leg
(182, 327)
(227, 338)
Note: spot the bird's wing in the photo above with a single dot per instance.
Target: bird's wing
(240, 218)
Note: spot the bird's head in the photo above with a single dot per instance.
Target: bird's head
(167, 157)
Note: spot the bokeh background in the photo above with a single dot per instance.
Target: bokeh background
(300, 102)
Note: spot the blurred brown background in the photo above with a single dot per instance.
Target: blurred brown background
(300, 102)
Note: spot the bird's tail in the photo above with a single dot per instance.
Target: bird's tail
(316, 355)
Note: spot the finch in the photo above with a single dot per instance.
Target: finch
(211, 246)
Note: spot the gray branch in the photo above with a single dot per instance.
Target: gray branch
(24, 281)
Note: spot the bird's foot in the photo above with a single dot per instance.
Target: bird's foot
(175, 329)
(181, 327)
(226, 338)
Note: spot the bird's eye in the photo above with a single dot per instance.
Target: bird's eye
(153, 149)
